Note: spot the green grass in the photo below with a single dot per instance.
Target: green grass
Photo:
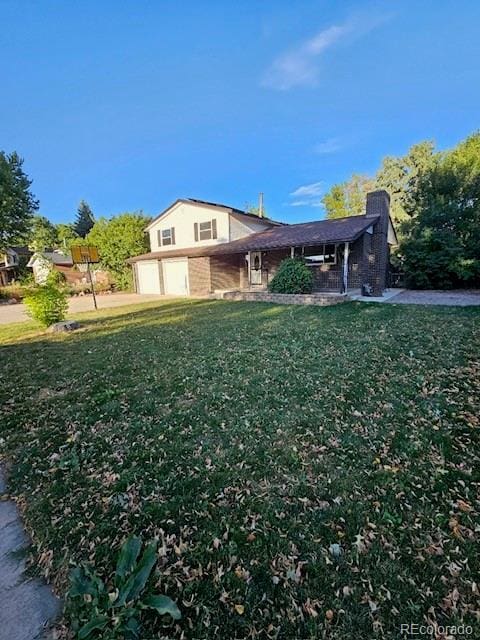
(249, 438)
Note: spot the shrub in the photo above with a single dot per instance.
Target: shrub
(293, 276)
(12, 291)
(47, 304)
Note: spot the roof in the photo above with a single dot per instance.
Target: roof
(22, 250)
(53, 256)
(214, 205)
(280, 237)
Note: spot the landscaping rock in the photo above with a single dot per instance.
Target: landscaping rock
(67, 325)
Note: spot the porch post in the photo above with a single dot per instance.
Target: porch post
(292, 252)
(345, 267)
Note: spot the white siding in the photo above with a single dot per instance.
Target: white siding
(183, 217)
(241, 226)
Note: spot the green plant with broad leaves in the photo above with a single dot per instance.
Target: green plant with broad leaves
(112, 609)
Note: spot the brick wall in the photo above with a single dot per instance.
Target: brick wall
(225, 271)
(376, 257)
(199, 276)
(329, 277)
(318, 299)
(270, 262)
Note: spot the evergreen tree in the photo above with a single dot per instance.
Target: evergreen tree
(17, 204)
(85, 220)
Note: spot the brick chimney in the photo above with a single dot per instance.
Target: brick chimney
(376, 249)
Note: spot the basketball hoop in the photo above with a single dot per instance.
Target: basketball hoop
(83, 256)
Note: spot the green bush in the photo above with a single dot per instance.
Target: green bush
(436, 260)
(293, 276)
(47, 304)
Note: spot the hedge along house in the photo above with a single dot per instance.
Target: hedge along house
(199, 248)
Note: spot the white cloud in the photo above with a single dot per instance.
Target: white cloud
(299, 66)
(306, 203)
(308, 190)
(307, 195)
(332, 145)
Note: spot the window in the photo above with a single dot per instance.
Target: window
(166, 237)
(205, 230)
(322, 254)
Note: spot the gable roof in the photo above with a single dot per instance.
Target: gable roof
(213, 205)
(280, 237)
(52, 256)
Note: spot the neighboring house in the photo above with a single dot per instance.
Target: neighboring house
(11, 262)
(43, 262)
(200, 247)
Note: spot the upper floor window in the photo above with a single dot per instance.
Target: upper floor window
(166, 237)
(322, 254)
(205, 230)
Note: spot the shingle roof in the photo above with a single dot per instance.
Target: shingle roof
(293, 235)
(214, 205)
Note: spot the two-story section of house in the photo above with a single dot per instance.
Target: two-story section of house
(198, 248)
(181, 239)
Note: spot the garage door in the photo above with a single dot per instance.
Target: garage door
(148, 277)
(175, 277)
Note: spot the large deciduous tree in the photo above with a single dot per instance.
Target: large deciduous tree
(17, 203)
(85, 219)
(348, 198)
(399, 176)
(441, 248)
(117, 239)
(43, 234)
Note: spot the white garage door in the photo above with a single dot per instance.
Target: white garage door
(148, 277)
(175, 277)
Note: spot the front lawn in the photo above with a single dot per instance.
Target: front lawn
(308, 472)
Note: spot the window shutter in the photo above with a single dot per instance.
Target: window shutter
(159, 233)
(172, 234)
(214, 228)
(195, 229)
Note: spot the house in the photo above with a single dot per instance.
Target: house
(200, 247)
(42, 262)
(11, 262)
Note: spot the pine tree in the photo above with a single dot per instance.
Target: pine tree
(17, 204)
(85, 220)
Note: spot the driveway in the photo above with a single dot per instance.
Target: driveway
(16, 312)
(454, 298)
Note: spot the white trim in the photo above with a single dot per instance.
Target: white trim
(165, 279)
(345, 267)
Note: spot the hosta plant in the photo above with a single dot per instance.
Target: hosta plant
(113, 608)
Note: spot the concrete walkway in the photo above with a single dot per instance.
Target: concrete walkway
(17, 313)
(454, 298)
(27, 606)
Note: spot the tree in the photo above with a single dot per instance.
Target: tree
(348, 198)
(441, 248)
(399, 176)
(85, 219)
(43, 234)
(117, 239)
(17, 204)
(66, 236)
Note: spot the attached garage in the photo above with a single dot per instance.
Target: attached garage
(175, 276)
(148, 277)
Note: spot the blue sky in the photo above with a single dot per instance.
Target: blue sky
(133, 104)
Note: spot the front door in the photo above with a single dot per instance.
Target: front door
(256, 267)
